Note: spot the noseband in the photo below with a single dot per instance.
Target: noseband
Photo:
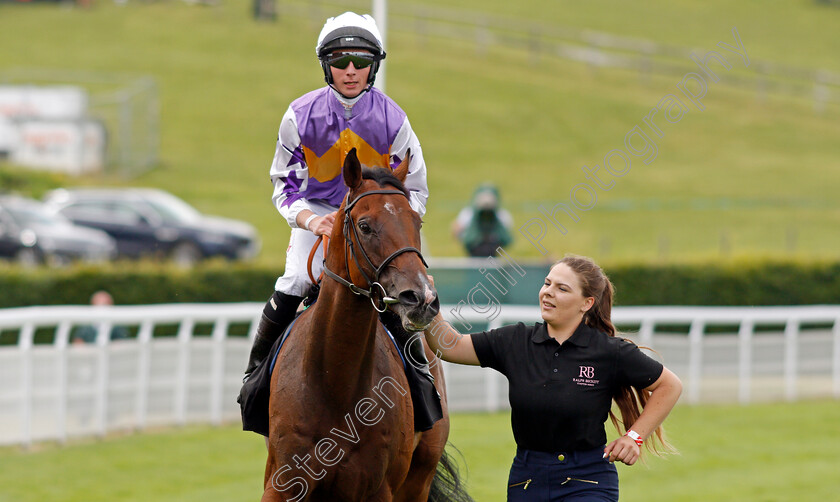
(376, 292)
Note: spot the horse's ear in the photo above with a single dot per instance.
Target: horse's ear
(352, 170)
(402, 170)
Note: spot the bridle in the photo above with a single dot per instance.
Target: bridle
(376, 292)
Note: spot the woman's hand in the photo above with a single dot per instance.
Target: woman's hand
(664, 393)
(623, 449)
(447, 343)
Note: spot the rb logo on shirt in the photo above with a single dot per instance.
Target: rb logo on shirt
(587, 372)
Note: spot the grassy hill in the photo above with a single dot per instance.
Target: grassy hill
(744, 176)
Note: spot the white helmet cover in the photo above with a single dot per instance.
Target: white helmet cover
(350, 31)
(353, 26)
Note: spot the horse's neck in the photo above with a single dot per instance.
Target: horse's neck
(343, 327)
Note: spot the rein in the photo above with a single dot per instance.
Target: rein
(375, 292)
(326, 241)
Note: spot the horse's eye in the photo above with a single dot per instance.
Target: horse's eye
(364, 227)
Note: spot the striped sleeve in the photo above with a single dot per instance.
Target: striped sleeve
(289, 173)
(415, 182)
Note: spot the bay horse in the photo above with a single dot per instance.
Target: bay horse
(341, 422)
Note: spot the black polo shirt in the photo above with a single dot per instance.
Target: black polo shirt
(560, 395)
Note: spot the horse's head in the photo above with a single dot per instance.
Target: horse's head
(382, 239)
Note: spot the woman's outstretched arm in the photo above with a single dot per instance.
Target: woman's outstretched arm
(448, 344)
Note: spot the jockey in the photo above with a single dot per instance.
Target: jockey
(316, 133)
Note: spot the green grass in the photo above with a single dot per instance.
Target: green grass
(797, 32)
(766, 453)
(761, 176)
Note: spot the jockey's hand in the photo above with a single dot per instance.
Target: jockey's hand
(322, 225)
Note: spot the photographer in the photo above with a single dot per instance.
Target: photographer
(483, 226)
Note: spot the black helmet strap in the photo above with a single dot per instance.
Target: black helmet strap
(328, 78)
(350, 38)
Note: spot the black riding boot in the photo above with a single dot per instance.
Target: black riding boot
(425, 398)
(277, 314)
(417, 358)
(254, 396)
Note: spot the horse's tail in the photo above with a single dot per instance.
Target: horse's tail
(447, 485)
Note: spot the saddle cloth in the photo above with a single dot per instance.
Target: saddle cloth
(254, 395)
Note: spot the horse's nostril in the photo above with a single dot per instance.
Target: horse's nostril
(409, 298)
(434, 306)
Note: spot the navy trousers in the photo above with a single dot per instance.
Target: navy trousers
(578, 476)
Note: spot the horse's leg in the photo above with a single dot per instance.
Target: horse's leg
(270, 494)
(427, 451)
(424, 462)
(383, 495)
(283, 479)
(284, 482)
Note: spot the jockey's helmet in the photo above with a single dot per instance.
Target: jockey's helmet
(350, 31)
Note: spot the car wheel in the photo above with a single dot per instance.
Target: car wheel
(28, 257)
(186, 254)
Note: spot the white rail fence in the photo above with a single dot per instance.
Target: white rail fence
(182, 363)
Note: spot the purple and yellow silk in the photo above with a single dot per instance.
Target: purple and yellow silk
(326, 137)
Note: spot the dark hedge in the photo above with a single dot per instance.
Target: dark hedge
(735, 283)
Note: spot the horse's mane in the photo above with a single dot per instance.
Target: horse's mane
(384, 177)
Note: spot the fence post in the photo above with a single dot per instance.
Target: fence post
(62, 338)
(745, 337)
(27, 338)
(144, 340)
(836, 359)
(103, 341)
(791, 356)
(217, 370)
(695, 359)
(182, 374)
(491, 387)
(646, 332)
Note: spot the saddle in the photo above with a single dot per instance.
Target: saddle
(254, 395)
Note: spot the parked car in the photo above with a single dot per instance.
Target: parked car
(31, 234)
(150, 222)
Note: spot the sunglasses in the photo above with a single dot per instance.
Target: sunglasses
(359, 59)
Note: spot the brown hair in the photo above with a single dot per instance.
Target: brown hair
(595, 283)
